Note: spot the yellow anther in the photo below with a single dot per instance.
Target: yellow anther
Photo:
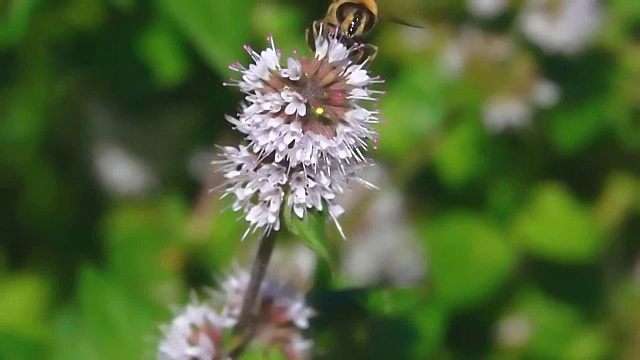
(319, 111)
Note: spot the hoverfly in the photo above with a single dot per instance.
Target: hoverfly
(352, 20)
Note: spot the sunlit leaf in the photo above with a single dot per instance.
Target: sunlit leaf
(470, 258)
(557, 227)
(23, 305)
(589, 343)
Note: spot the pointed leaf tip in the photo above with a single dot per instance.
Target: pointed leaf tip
(310, 229)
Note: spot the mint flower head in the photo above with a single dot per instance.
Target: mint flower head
(195, 333)
(306, 130)
(281, 304)
(203, 330)
(283, 313)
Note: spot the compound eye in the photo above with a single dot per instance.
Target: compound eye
(354, 25)
(369, 20)
(345, 11)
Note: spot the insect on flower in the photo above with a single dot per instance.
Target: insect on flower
(353, 20)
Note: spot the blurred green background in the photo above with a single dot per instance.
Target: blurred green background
(513, 165)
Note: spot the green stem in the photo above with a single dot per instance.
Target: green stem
(251, 302)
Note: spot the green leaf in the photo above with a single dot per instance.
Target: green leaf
(143, 243)
(16, 347)
(574, 128)
(414, 108)
(625, 303)
(557, 227)
(310, 229)
(278, 18)
(85, 14)
(23, 305)
(589, 343)
(620, 194)
(108, 323)
(262, 354)
(70, 339)
(15, 18)
(470, 259)
(427, 316)
(162, 50)
(218, 29)
(378, 323)
(551, 325)
(462, 155)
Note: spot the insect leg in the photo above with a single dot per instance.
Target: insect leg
(312, 33)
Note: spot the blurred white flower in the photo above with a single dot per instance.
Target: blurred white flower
(199, 330)
(281, 303)
(199, 165)
(195, 333)
(487, 9)
(386, 250)
(296, 262)
(545, 94)
(283, 312)
(122, 173)
(306, 132)
(383, 246)
(453, 59)
(501, 113)
(416, 39)
(516, 112)
(300, 347)
(561, 26)
(473, 44)
(514, 331)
